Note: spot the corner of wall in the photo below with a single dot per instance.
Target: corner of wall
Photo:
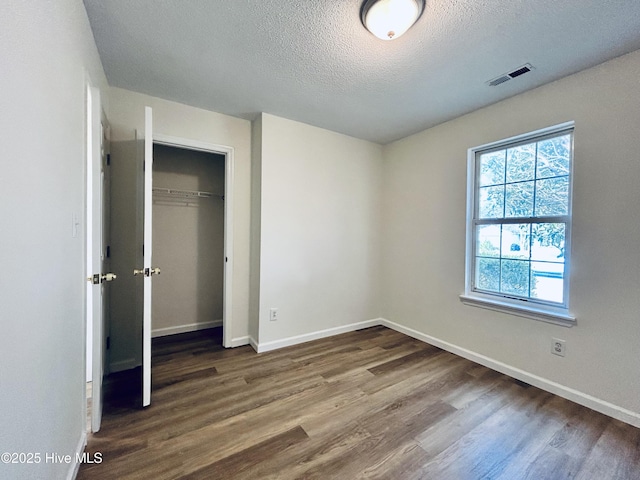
(255, 227)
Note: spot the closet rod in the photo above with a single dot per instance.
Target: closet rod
(184, 194)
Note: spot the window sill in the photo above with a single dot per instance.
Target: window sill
(556, 317)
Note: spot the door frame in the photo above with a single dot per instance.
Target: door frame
(229, 168)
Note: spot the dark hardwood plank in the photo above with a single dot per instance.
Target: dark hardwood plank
(427, 352)
(243, 462)
(616, 454)
(442, 435)
(367, 404)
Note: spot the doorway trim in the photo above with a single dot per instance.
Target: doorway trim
(229, 168)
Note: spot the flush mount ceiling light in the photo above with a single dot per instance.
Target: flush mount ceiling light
(388, 19)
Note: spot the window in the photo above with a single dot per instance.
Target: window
(519, 225)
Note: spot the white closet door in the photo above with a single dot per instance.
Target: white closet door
(145, 187)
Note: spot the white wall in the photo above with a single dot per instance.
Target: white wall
(320, 201)
(188, 241)
(45, 48)
(178, 120)
(424, 236)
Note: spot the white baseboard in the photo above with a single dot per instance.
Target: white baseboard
(75, 466)
(253, 343)
(191, 327)
(602, 406)
(307, 337)
(239, 342)
(123, 365)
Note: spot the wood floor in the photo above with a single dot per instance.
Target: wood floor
(367, 404)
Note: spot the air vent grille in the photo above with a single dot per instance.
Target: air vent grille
(505, 77)
(520, 71)
(499, 80)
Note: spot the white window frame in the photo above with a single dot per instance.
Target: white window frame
(537, 310)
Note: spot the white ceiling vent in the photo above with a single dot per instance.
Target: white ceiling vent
(505, 77)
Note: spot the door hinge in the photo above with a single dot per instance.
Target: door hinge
(108, 343)
(108, 159)
(108, 251)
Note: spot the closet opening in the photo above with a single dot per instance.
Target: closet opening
(189, 244)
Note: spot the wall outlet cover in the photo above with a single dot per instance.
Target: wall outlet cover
(558, 347)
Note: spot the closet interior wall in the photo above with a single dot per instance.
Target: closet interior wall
(188, 239)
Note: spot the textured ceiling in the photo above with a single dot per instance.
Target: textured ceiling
(312, 60)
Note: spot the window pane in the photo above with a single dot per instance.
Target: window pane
(488, 274)
(521, 163)
(548, 242)
(491, 202)
(515, 277)
(492, 168)
(553, 157)
(546, 285)
(547, 266)
(488, 241)
(519, 199)
(516, 239)
(552, 197)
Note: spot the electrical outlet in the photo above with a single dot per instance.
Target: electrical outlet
(558, 347)
(273, 314)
